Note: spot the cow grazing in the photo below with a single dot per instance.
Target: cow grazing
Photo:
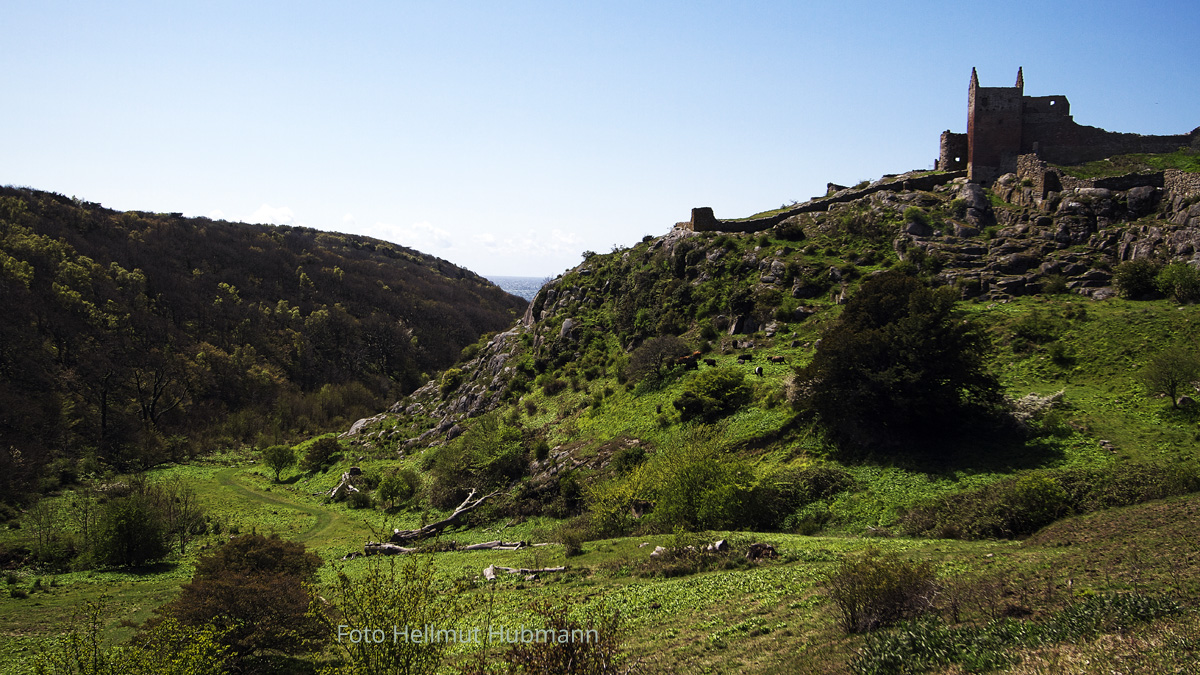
(777, 359)
(758, 371)
(711, 363)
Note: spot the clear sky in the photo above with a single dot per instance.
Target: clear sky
(509, 137)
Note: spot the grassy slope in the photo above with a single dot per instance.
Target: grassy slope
(771, 618)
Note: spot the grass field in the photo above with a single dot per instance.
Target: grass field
(770, 617)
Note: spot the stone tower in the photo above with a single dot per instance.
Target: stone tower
(994, 117)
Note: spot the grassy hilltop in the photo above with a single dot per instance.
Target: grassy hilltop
(945, 411)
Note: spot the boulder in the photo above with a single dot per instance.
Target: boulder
(1142, 200)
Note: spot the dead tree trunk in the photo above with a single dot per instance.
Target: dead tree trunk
(470, 503)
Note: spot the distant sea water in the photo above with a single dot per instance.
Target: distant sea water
(525, 287)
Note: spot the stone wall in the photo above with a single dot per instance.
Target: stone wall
(1181, 183)
(704, 221)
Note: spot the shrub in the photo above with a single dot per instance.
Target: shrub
(489, 454)
(1137, 279)
(320, 454)
(400, 591)
(878, 589)
(359, 500)
(778, 496)
(1054, 284)
(257, 591)
(131, 531)
(654, 356)
(625, 459)
(553, 386)
(1021, 505)
(165, 648)
(914, 214)
(572, 537)
(595, 650)
(450, 380)
(713, 393)
(1181, 281)
(398, 486)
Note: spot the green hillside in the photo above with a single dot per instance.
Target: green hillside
(945, 411)
(133, 338)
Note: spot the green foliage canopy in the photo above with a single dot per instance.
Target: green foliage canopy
(900, 363)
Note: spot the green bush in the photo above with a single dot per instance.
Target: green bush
(596, 653)
(320, 454)
(713, 393)
(132, 530)
(1054, 284)
(878, 589)
(914, 214)
(778, 496)
(488, 455)
(450, 380)
(1180, 281)
(359, 500)
(1137, 279)
(1021, 505)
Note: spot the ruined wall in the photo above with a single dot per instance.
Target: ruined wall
(1063, 141)
(704, 221)
(952, 151)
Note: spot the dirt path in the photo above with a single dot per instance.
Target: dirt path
(315, 535)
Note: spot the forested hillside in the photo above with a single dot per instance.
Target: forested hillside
(130, 338)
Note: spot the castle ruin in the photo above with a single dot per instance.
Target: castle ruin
(1003, 124)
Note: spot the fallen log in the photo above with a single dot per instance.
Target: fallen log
(385, 548)
(489, 572)
(469, 504)
(496, 546)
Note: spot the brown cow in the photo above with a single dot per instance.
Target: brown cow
(777, 359)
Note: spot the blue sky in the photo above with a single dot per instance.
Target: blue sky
(510, 137)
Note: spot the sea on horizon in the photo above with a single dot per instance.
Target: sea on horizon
(525, 287)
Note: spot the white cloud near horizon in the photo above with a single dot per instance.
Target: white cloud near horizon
(274, 215)
(422, 236)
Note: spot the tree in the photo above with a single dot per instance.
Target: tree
(900, 363)
(1170, 371)
(279, 457)
(653, 354)
(257, 591)
(180, 510)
